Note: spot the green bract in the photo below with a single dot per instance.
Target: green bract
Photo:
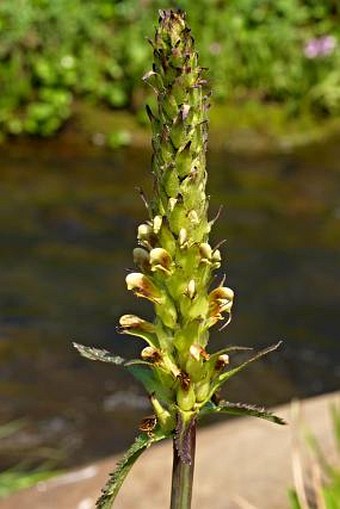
(174, 259)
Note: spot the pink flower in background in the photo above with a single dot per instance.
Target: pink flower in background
(215, 48)
(320, 46)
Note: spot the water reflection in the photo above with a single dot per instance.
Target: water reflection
(67, 225)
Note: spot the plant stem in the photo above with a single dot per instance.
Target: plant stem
(183, 474)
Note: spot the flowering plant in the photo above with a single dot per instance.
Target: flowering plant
(175, 265)
(320, 47)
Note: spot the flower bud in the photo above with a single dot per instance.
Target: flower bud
(160, 260)
(149, 353)
(185, 108)
(195, 352)
(141, 259)
(205, 252)
(221, 362)
(143, 287)
(216, 256)
(221, 298)
(198, 352)
(172, 203)
(146, 236)
(128, 322)
(135, 326)
(216, 259)
(191, 289)
(157, 223)
(182, 238)
(195, 365)
(193, 217)
(220, 301)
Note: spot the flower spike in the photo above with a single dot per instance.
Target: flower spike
(175, 262)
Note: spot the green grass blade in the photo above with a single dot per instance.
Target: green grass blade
(335, 412)
(14, 480)
(293, 499)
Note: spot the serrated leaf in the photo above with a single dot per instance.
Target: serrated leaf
(225, 407)
(116, 479)
(228, 374)
(98, 354)
(145, 372)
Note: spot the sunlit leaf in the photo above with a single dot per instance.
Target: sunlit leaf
(116, 479)
(145, 375)
(225, 407)
(228, 374)
(98, 354)
(228, 349)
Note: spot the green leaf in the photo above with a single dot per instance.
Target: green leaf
(145, 375)
(98, 354)
(225, 407)
(143, 371)
(138, 362)
(117, 478)
(228, 374)
(148, 375)
(215, 355)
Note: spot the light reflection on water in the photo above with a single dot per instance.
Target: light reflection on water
(67, 228)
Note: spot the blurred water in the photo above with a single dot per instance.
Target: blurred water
(68, 219)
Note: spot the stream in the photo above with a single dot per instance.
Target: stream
(68, 219)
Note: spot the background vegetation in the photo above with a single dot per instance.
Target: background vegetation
(26, 473)
(53, 53)
(317, 484)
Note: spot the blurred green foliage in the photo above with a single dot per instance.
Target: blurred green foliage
(23, 475)
(52, 52)
(16, 479)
